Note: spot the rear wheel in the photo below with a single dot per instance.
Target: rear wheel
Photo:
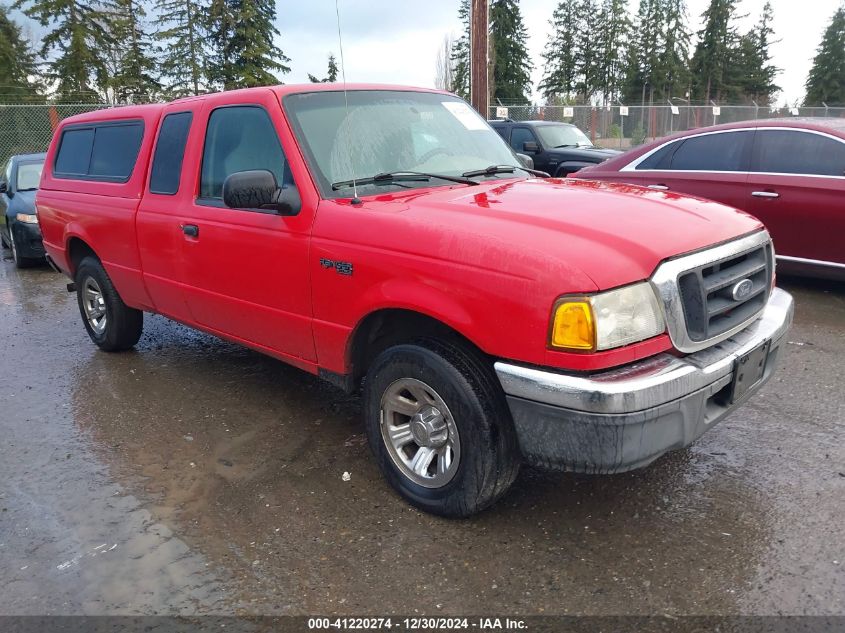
(439, 427)
(110, 323)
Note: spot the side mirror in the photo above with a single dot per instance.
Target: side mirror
(525, 160)
(258, 190)
(530, 146)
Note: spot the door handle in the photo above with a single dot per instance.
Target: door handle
(659, 187)
(191, 230)
(765, 194)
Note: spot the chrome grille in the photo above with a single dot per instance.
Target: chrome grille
(707, 293)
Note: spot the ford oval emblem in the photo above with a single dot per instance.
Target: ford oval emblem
(742, 289)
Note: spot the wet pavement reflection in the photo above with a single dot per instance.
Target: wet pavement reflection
(194, 476)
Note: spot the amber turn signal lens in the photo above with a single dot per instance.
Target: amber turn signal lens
(573, 326)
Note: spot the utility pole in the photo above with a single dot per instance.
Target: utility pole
(479, 29)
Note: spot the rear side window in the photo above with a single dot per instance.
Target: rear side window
(170, 151)
(796, 152)
(239, 138)
(105, 152)
(520, 136)
(713, 152)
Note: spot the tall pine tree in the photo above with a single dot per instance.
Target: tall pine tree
(181, 37)
(826, 82)
(460, 54)
(712, 63)
(244, 54)
(642, 73)
(588, 49)
(511, 64)
(20, 81)
(672, 73)
(332, 72)
(80, 36)
(135, 79)
(559, 71)
(613, 30)
(752, 68)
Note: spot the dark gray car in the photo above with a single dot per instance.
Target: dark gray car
(556, 148)
(19, 228)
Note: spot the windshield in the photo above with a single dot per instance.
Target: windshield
(388, 131)
(558, 135)
(29, 175)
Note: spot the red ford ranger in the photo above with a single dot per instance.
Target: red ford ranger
(389, 240)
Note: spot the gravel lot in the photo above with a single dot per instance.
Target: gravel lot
(192, 476)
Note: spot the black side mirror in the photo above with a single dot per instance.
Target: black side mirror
(530, 146)
(257, 190)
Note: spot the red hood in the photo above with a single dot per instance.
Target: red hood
(614, 234)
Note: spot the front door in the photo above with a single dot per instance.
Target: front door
(246, 272)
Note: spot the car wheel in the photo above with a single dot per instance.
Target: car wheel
(110, 323)
(439, 427)
(20, 262)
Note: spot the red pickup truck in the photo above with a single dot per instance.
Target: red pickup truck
(388, 240)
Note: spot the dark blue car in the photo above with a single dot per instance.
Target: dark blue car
(19, 228)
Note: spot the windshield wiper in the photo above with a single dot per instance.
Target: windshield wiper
(400, 176)
(492, 170)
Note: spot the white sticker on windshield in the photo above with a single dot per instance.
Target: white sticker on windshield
(467, 116)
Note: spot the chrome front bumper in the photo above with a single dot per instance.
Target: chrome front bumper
(625, 418)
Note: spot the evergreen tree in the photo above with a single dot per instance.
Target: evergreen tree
(753, 74)
(332, 72)
(134, 81)
(80, 36)
(511, 64)
(712, 64)
(588, 49)
(613, 30)
(559, 72)
(642, 72)
(673, 60)
(460, 54)
(242, 41)
(20, 75)
(181, 37)
(826, 82)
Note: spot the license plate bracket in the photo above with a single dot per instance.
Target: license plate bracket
(748, 371)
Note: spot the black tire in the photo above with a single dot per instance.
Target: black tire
(489, 454)
(20, 262)
(123, 325)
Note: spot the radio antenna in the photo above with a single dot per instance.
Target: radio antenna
(355, 199)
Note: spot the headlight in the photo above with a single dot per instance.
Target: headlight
(27, 218)
(607, 320)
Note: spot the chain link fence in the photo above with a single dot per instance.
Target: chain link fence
(28, 128)
(623, 127)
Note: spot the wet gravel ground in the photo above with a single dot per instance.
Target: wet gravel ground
(191, 476)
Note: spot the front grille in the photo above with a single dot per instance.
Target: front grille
(707, 292)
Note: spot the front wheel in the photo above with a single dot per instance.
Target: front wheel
(110, 323)
(20, 262)
(439, 427)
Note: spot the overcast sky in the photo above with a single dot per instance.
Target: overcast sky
(396, 41)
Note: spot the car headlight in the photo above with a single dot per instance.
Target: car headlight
(606, 320)
(27, 218)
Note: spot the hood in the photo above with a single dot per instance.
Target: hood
(614, 234)
(591, 154)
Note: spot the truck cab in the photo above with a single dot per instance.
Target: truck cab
(387, 240)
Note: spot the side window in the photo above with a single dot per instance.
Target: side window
(726, 151)
(170, 151)
(239, 138)
(796, 152)
(105, 152)
(501, 131)
(661, 158)
(519, 136)
(74, 153)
